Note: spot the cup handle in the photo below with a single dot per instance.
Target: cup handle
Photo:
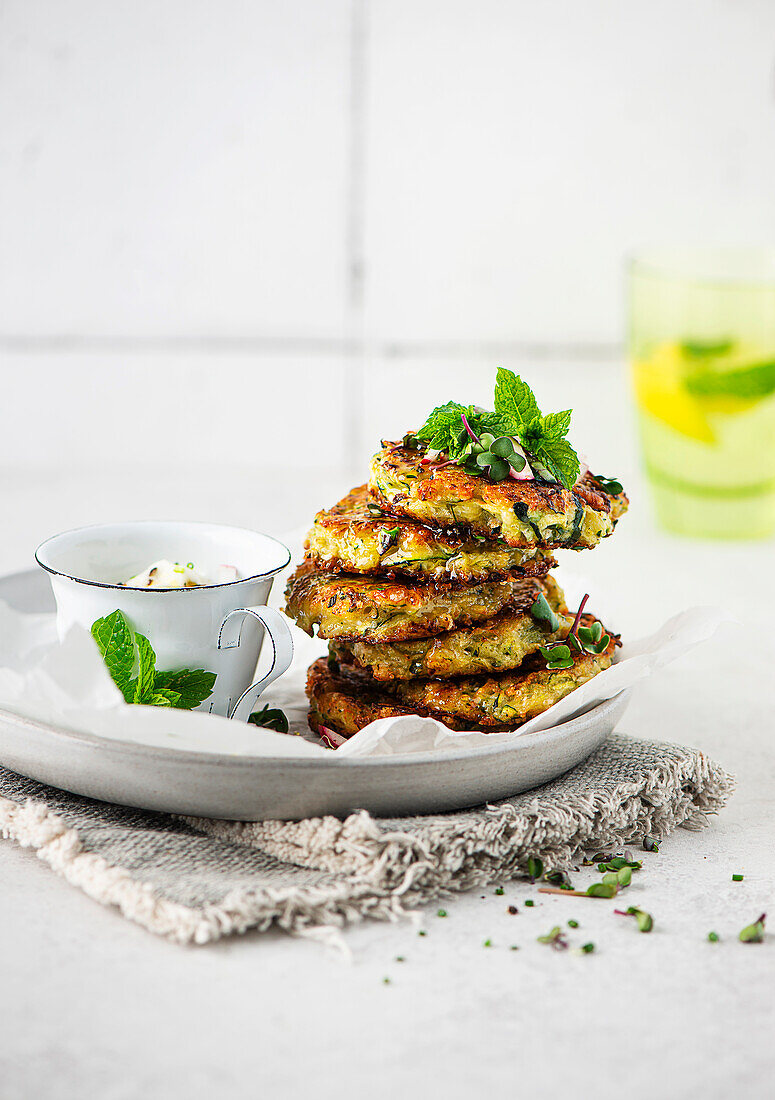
(282, 651)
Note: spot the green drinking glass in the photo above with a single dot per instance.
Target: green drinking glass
(702, 351)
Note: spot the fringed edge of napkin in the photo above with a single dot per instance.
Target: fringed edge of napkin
(312, 911)
(442, 854)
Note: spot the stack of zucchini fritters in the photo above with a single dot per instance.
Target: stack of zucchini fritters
(432, 587)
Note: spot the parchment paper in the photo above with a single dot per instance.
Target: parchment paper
(68, 685)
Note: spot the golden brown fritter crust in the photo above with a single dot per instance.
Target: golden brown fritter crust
(346, 700)
(509, 699)
(494, 646)
(349, 607)
(521, 513)
(355, 536)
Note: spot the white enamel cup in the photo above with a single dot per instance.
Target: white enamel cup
(218, 627)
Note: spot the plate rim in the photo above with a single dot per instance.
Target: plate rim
(197, 757)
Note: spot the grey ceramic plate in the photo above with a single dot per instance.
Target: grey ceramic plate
(256, 788)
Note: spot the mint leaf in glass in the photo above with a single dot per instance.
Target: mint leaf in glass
(753, 383)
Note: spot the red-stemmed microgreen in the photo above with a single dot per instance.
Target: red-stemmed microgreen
(579, 640)
(555, 939)
(644, 920)
(753, 933)
(515, 440)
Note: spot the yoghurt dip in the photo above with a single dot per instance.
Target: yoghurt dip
(172, 574)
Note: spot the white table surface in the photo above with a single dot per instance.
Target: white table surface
(94, 1006)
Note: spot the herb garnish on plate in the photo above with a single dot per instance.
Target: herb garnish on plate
(512, 441)
(131, 662)
(580, 639)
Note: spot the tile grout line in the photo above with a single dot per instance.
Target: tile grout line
(351, 346)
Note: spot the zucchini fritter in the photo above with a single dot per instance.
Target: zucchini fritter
(520, 513)
(355, 536)
(346, 700)
(349, 607)
(506, 700)
(493, 646)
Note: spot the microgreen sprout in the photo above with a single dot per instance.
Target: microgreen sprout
(499, 890)
(441, 912)
(487, 943)
(608, 484)
(559, 878)
(602, 890)
(622, 877)
(535, 867)
(737, 878)
(579, 640)
(422, 932)
(542, 612)
(753, 933)
(586, 949)
(573, 924)
(515, 440)
(529, 902)
(556, 939)
(713, 937)
(644, 920)
(617, 863)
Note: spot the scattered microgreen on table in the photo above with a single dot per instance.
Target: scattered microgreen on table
(644, 920)
(753, 933)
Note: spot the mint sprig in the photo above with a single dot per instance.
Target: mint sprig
(131, 662)
(543, 437)
(517, 416)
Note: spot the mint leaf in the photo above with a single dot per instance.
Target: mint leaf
(705, 349)
(444, 429)
(516, 415)
(443, 426)
(191, 685)
(560, 460)
(116, 641)
(514, 400)
(752, 382)
(121, 649)
(556, 425)
(147, 668)
(270, 719)
(164, 698)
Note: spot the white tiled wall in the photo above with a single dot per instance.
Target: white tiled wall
(173, 167)
(227, 224)
(516, 150)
